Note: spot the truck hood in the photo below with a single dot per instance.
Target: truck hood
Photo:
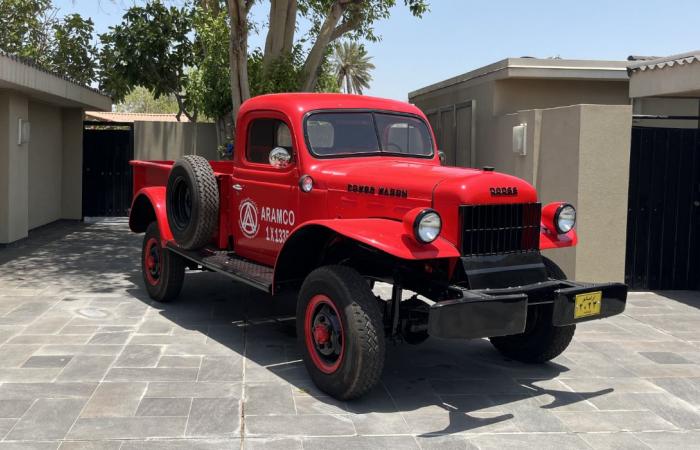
(389, 187)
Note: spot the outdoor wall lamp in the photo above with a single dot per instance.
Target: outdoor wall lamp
(23, 131)
(520, 139)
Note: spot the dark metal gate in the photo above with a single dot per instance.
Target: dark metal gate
(663, 219)
(107, 186)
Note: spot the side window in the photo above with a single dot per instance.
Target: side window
(263, 136)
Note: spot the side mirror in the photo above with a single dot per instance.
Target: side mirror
(280, 158)
(443, 157)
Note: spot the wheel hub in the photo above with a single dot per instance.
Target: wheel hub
(324, 334)
(152, 261)
(321, 334)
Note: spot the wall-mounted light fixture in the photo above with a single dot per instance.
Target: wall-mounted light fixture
(520, 139)
(23, 132)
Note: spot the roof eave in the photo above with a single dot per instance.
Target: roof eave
(536, 68)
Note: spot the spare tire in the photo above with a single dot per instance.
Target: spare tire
(192, 202)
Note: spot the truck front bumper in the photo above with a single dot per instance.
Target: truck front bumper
(501, 312)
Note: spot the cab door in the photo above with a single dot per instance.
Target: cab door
(265, 196)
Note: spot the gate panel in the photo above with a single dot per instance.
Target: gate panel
(107, 185)
(663, 239)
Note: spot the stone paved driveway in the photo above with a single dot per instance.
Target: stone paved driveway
(88, 361)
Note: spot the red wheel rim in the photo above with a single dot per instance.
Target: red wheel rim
(151, 261)
(323, 333)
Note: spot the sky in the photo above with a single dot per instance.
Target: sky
(457, 36)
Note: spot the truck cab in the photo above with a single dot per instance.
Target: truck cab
(327, 194)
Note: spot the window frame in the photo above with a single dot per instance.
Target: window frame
(267, 166)
(309, 147)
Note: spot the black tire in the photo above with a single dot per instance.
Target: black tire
(192, 202)
(541, 341)
(553, 270)
(360, 361)
(164, 279)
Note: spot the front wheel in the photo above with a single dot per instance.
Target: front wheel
(163, 271)
(339, 327)
(541, 341)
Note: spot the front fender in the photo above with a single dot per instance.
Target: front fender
(149, 205)
(303, 250)
(390, 237)
(549, 240)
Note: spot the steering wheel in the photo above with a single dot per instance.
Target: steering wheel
(398, 148)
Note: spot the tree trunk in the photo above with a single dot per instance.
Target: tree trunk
(280, 33)
(325, 36)
(238, 53)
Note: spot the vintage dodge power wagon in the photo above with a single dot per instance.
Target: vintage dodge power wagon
(327, 194)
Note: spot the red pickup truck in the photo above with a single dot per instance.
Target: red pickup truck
(326, 194)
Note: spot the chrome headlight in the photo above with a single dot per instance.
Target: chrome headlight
(565, 218)
(427, 226)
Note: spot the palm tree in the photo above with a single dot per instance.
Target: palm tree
(352, 67)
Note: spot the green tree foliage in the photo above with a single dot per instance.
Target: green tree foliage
(26, 29)
(30, 30)
(208, 81)
(141, 100)
(208, 86)
(150, 48)
(73, 49)
(352, 67)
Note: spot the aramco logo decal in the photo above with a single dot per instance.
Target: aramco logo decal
(248, 218)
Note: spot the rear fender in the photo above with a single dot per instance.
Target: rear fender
(304, 249)
(149, 205)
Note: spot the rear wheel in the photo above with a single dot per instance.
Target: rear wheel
(541, 341)
(163, 271)
(340, 329)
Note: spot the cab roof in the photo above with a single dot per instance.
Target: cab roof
(295, 105)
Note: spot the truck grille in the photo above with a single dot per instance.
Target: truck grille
(500, 229)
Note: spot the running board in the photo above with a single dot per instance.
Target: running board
(229, 264)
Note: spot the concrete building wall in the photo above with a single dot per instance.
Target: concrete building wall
(72, 164)
(578, 154)
(41, 179)
(45, 164)
(603, 187)
(516, 94)
(14, 168)
(171, 140)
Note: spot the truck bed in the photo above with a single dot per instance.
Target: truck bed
(155, 173)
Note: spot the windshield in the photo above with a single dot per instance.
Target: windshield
(367, 133)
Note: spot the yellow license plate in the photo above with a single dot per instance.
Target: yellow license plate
(588, 304)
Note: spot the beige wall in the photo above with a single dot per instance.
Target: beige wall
(578, 154)
(602, 197)
(171, 140)
(514, 95)
(14, 167)
(40, 181)
(45, 164)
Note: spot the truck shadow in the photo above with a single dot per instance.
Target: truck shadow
(438, 387)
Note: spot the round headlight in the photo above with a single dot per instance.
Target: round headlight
(427, 226)
(565, 218)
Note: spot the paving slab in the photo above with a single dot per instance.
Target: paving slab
(88, 361)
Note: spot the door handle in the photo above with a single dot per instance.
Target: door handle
(237, 187)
